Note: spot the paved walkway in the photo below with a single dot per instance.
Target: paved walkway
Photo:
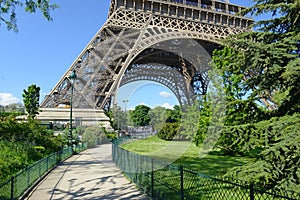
(89, 175)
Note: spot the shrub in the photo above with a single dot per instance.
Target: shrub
(169, 131)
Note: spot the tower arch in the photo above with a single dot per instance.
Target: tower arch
(134, 28)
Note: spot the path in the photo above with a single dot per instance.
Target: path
(89, 175)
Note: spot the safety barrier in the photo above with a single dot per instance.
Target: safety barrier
(15, 187)
(162, 180)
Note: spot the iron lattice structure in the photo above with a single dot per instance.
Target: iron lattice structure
(166, 41)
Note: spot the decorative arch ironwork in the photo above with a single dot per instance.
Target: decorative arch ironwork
(134, 27)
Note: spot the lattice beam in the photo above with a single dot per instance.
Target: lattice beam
(118, 53)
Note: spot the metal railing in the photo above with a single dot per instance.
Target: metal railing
(161, 180)
(15, 187)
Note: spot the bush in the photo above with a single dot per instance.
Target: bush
(22, 144)
(90, 137)
(169, 131)
(13, 158)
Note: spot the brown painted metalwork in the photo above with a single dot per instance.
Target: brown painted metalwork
(150, 40)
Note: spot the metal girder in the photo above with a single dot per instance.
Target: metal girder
(141, 35)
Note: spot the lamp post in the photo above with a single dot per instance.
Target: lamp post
(118, 124)
(117, 113)
(125, 102)
(72, 78)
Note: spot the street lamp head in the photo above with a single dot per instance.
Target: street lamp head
(73, 75)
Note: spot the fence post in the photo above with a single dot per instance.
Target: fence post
(251, 191)
(47, 163)
(60, 156)
(40, 168)
(28, 175)
(181, 183)
(152, 178)
(12, 188)
(113, 149)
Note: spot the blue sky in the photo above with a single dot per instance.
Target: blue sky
(42, 51)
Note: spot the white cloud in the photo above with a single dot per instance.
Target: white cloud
(167, 105)
(165, 94)
(7, 98)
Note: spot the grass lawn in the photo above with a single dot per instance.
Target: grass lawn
(186, 154)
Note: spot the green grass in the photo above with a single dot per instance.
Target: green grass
(167, 178)
(186, 154)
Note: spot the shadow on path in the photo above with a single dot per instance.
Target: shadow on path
(89, 175)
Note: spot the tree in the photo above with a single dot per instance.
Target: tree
(90, 136)
(31, 99)
(204, 117)
(8, 14)
(158, 116)
(94, 135)
(275, 144)
(174, 115)
(265, 64)
(285, 15)
(241, 95)
(262, 68)
(12, 110)
(15, 107)
(190, 121)
(170, 129)
(118, 118)
(140, 115)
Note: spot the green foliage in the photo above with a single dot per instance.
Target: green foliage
(228, 63)
(4, 115)
(189, 123)
(290, 98)
(234, 139)
(14, 109)
(205, 115)
(31, 99)
(174, 115)
(14, 132)
(169, 131)
(117, 117)
(94, 135)
(22, 144)
(13, 157)
(265, 64)
(110, 114)
(285, 15)
(90, 137)
(140, 115)
(276, 144)
(250, 139)
(8, 8)
(80, 130)
(66, 135)
(244, 112)
(259, 73)
(158, 116)
(110, 135)
(261, 78)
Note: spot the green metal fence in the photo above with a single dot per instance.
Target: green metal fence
(15, 187)
(168, 181)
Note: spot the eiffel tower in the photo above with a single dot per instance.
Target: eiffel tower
(146, 40)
